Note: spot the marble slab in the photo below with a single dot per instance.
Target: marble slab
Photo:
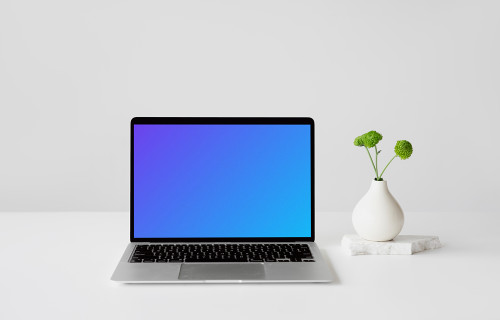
(403, 244)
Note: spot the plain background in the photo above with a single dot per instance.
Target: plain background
(73, 74)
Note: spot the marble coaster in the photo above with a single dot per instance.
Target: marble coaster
(355, 245)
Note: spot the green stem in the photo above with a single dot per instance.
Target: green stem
(371, 160)
(387, 165)
(376, 162)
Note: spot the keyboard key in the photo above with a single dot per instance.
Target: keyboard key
(175, 260)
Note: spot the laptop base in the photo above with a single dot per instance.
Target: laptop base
(249, 272)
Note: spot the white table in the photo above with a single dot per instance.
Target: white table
(59, 265)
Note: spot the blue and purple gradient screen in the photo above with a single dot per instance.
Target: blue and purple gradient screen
(222, 181)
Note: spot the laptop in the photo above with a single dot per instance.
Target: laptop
(222, 200)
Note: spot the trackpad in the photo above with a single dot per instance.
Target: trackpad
(222, 271)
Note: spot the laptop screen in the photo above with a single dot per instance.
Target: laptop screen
(221, 180)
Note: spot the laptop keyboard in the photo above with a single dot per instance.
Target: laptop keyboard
(265, 252)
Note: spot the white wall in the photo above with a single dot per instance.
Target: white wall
(73, 73)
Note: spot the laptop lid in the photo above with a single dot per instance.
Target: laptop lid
(222, 179)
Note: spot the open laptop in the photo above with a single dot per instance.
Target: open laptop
(222, 200)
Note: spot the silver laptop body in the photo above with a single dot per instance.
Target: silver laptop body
(182, 166)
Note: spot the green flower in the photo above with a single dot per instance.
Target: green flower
(403, 149)
(370, 139)
(358, 142)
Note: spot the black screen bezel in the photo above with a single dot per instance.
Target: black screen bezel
(217, 120)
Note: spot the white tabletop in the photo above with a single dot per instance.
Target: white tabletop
(59, 265)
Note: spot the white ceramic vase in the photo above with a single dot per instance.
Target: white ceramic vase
(378, 216)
